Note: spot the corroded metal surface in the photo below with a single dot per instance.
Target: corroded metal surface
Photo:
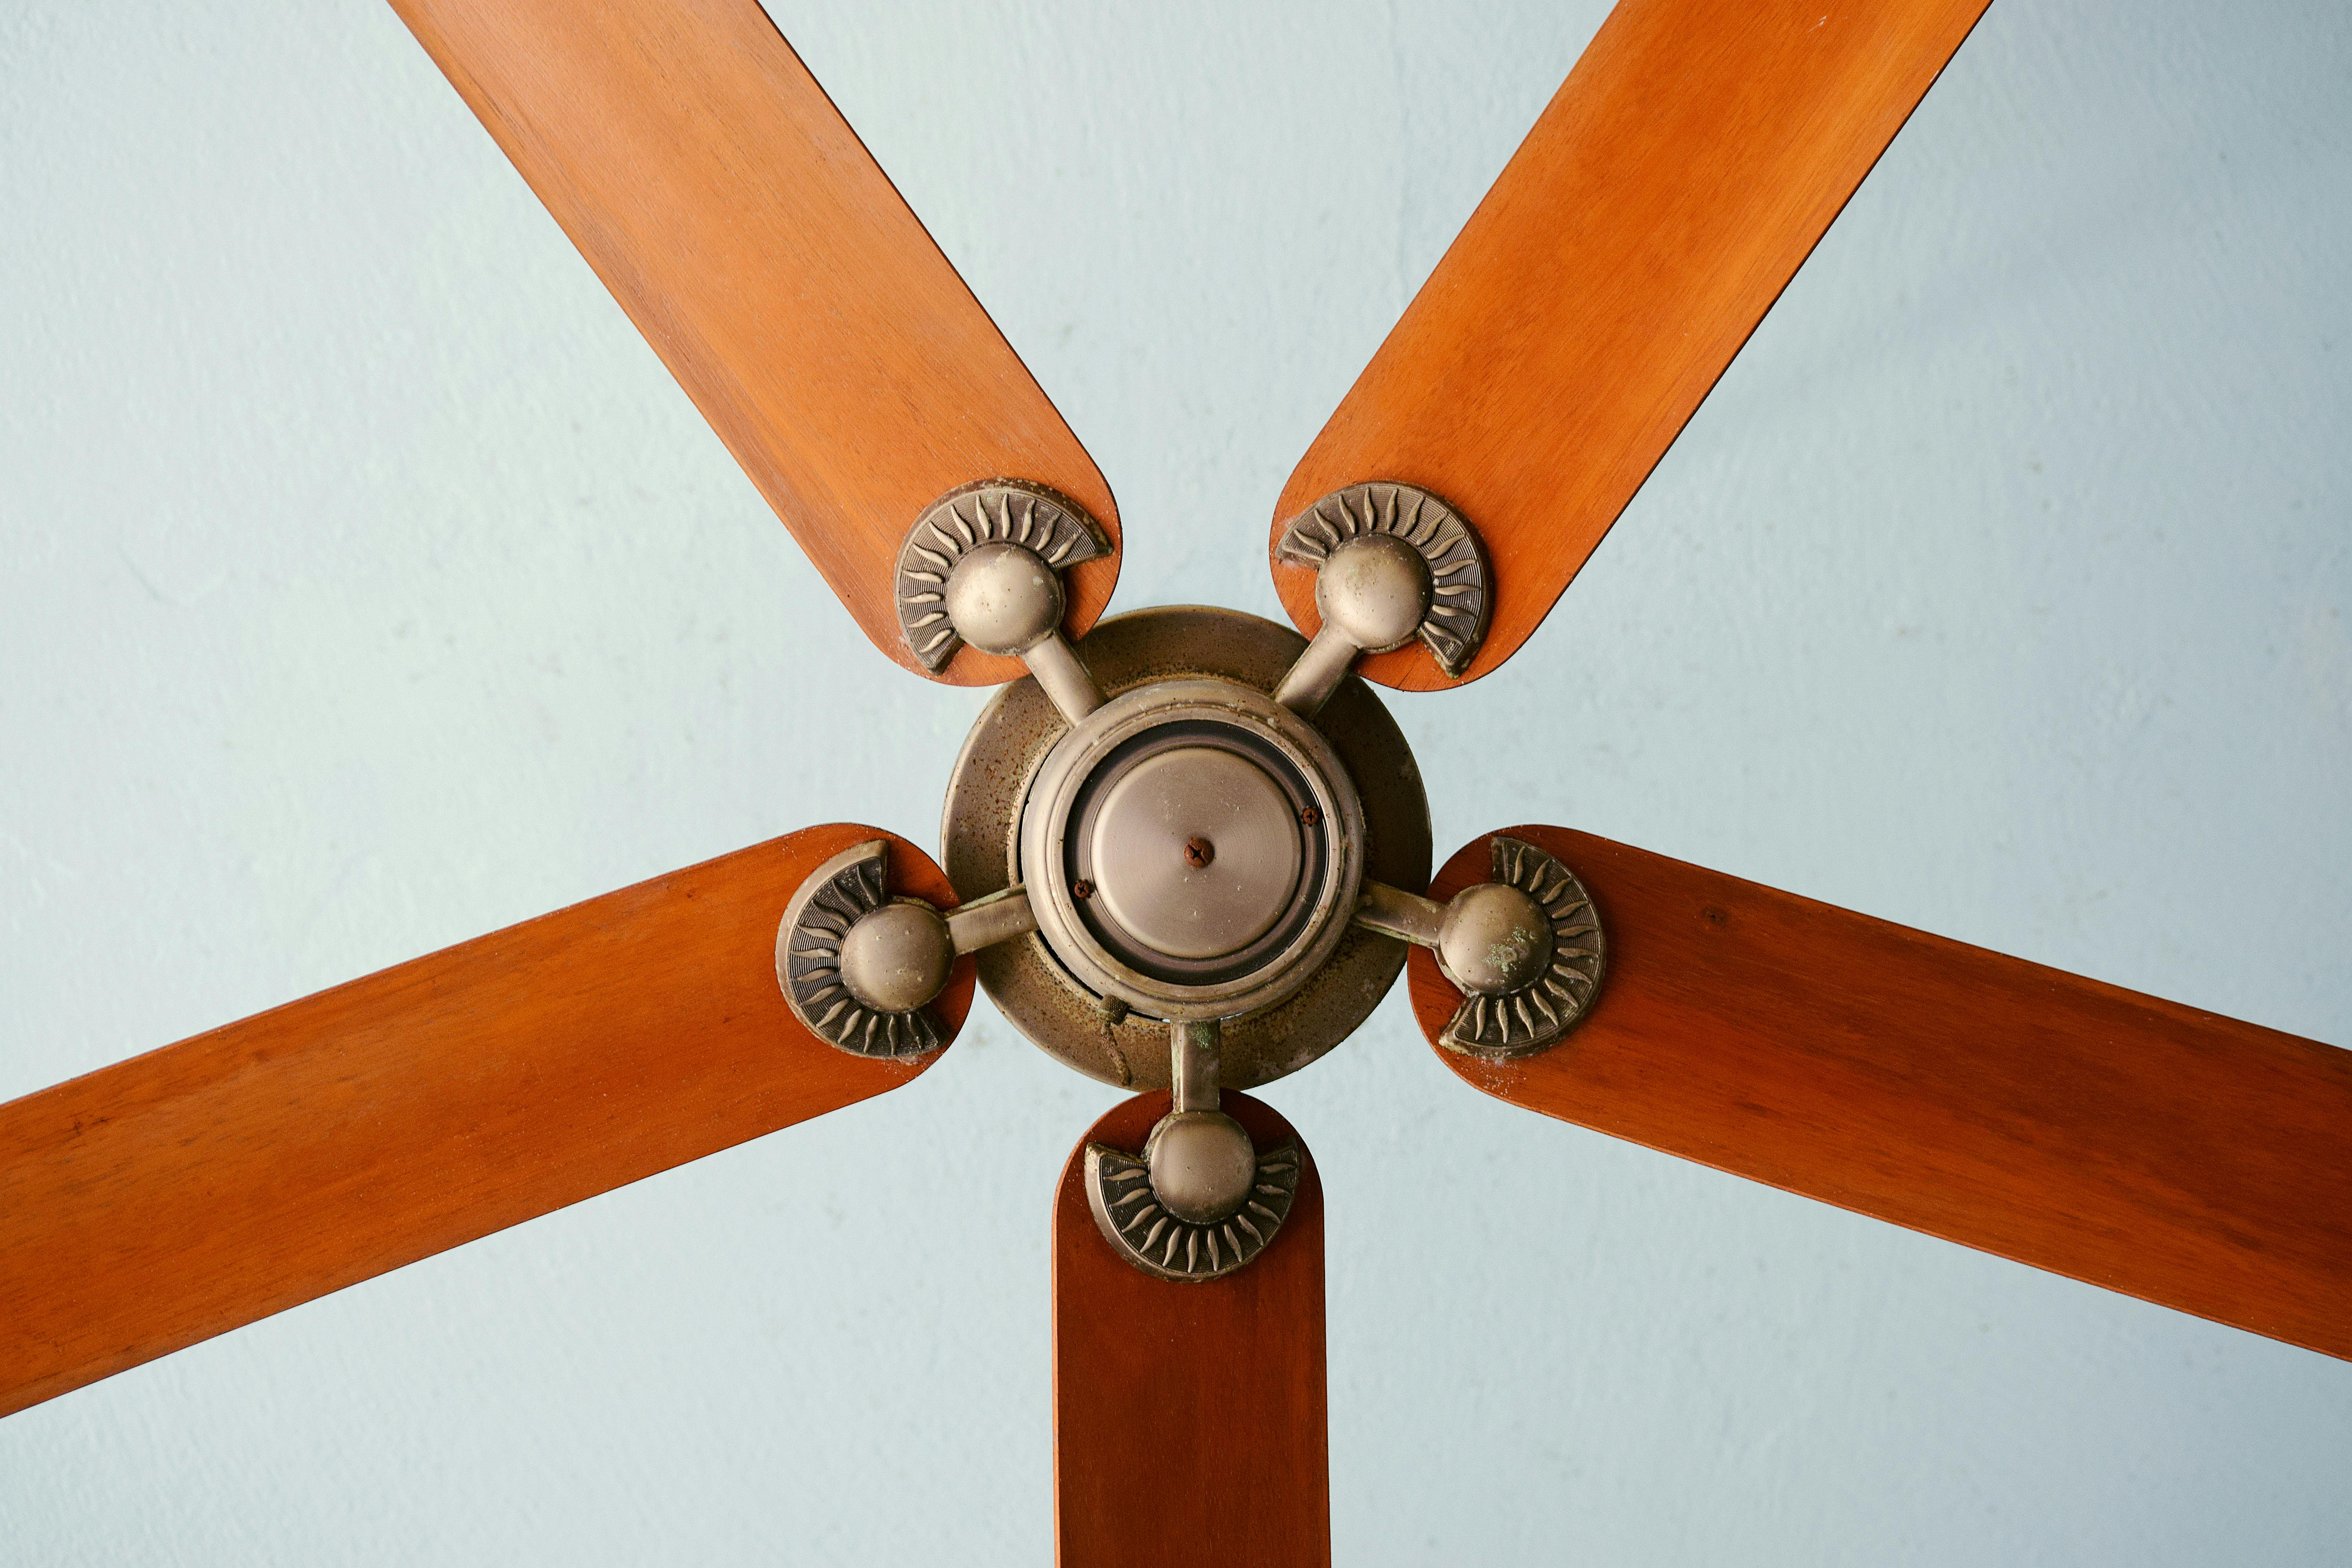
(979, 849)
(1536, 1013)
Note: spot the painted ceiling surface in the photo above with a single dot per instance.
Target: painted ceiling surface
(369, 585)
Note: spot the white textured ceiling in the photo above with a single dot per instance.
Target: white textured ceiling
(369, 585)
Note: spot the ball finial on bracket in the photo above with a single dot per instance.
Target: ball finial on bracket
(1202, 1165)
(1393, 562)
(1003, 599)
(1495, 938)
(896, 957)
(1374, 589)
(1525, 949)
(982, 565)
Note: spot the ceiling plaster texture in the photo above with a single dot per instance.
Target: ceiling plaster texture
(369, 585)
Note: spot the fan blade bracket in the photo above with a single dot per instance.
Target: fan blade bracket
(1130, 1212)
(982, 566)
(999, 917)
(861, 966)
(1201, 1200)
(1393, 563)
(1523, 950)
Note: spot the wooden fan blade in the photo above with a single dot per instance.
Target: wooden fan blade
(1190, 1425)
(181, 1193)
(767, 259)
(2189, 1160)
(1679, 179)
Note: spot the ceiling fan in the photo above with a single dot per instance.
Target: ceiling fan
(1297, 582)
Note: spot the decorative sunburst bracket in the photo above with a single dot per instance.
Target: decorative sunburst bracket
(1537, 1014)
(1201, 1201)
(1525, 949)
(1393, 562)
(1131, 1216)
(861, 968)
(982, 566)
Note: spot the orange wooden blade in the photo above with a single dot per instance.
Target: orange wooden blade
(766, 257)
(1679, 179)
(176, 1196)
(1189, 1418)
(2191, 1160)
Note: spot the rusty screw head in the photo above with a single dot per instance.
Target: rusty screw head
(1199, 852)
(1310, 815)
(1082, 889)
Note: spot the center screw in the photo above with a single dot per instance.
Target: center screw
(1199, 852)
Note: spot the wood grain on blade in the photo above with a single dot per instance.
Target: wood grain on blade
(181, 1193)
(1679, 179)
(767, 259)
(2192, 1160)
(1189, 1418)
